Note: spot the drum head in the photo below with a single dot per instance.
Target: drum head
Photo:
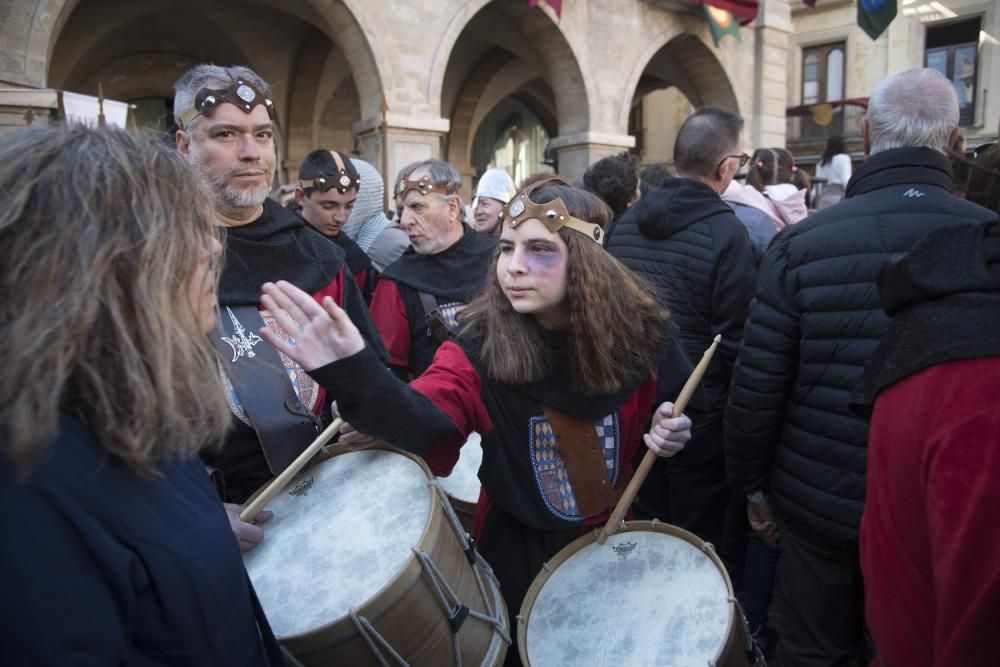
(463, 482)
(644, 597)
(341, 532)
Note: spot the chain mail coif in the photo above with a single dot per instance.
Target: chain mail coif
(367, 220)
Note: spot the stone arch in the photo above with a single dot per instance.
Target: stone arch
(31, 31)
(678, 58)
(492, 51)
(531, 35)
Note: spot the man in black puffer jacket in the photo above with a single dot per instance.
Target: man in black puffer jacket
(688, 243)
(815, 321)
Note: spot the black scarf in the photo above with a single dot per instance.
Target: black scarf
(275, 246)
(556, 388)
(457, 274)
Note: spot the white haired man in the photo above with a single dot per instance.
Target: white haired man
(226, 121)
(420, 294)
(815, 321)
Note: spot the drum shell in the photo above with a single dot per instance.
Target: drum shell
(730, 654)
(408, 596)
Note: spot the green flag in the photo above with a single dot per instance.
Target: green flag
(874, 16)
(721, 23)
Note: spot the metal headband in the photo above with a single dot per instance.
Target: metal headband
(553, 215)
(424, 186)
(240, 94)
(342, 180)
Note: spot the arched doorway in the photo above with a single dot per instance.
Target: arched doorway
(500, 91)
(680, 76)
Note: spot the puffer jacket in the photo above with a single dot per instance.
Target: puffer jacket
(684, 240)
(815, 320)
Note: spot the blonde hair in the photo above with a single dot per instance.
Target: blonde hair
(615, 325)
(100, 232)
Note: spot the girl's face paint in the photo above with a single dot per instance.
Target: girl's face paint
(532, 272)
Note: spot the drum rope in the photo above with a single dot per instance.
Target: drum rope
(478, 564)
(370, 634)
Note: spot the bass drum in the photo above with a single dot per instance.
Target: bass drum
(365, 563)
(653, 594)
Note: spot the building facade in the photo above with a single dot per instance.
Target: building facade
(471, 81)
(493, 83)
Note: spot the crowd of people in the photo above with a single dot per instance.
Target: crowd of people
(178, 338)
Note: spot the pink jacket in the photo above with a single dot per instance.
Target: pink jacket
(783, 208)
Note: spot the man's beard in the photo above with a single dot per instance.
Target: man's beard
(225, 195)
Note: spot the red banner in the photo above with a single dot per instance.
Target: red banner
(744, 10)
(556, 5)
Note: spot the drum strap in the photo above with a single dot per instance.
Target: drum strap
(583, 457)
(283, 425)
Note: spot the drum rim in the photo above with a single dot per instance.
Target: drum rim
(401, 582)
(587, 539)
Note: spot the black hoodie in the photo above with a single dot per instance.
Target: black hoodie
(684, 240)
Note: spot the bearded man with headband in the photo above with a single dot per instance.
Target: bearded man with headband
(227, 123)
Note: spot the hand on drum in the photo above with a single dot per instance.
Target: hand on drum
(349, 436)
(318, 334)
(667, 435)
(248, 535)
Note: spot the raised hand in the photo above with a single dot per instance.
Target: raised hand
(667, 434)
(318, 334)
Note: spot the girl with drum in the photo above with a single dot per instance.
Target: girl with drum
(554, 365)
(117, 549)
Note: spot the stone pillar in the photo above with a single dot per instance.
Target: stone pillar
(578, 151)
(410, 138)
(770, 88)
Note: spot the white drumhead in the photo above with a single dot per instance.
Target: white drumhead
(642, 598)
(463, 482)
(341, 531)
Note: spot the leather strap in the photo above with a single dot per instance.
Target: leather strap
(583, 456)
(283, 425)
(432, 319)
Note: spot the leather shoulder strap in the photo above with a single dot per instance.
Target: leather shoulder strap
(283, 425)
(583, 457)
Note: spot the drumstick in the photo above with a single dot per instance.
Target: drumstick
(611, 527)
(279, 482)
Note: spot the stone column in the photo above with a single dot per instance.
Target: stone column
(578, 151)
(410, 138)
(770, 88)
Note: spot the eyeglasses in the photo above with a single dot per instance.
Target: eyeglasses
(743, 158)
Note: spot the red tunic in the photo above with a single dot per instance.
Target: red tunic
(930, 536)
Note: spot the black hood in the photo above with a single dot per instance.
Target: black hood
(677, 203)
(944, 298)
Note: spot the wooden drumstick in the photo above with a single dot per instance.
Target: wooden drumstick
(611, 527)
(279, 482)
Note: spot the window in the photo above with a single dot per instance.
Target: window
(823, 81)
(953, 50)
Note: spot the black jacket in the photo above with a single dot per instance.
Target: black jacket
(684, 240)
(815, 321)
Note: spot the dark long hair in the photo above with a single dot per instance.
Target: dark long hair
(615, 325)
(834, 146)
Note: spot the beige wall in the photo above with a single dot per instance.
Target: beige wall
(900, 47)
(440, 66)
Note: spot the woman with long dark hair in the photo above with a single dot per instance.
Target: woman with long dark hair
(565, 340)
(835, 167)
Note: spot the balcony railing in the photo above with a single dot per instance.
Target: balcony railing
(819, 121)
